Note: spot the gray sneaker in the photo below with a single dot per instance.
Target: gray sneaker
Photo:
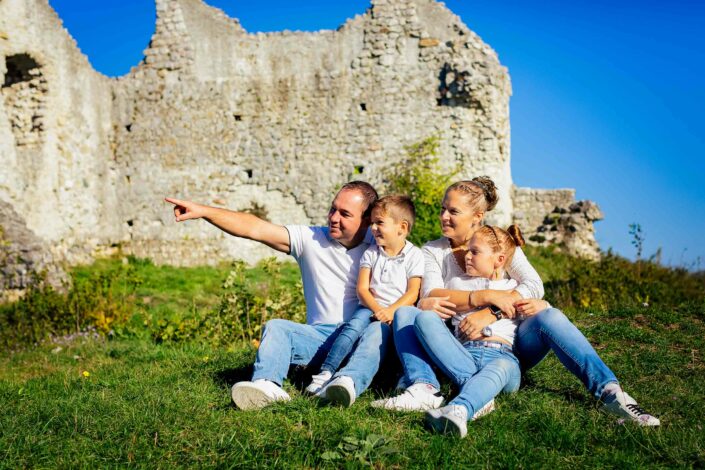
(451, 419)
(623, 405)
(340, 391)
(418, 397)
(257, 394)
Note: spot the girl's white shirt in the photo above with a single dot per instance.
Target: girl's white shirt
(440, 267)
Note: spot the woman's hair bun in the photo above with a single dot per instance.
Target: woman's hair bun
(489, 189)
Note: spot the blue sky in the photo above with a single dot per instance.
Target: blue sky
(607, 99)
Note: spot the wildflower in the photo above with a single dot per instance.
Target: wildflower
(205, 358)
(85, 373)
(255, 343)
(620, 421)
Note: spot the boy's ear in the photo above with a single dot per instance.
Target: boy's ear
(404, 226)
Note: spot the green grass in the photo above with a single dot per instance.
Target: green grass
(152, 404)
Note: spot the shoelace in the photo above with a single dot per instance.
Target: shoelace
(636, 409)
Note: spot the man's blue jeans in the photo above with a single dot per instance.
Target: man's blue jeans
(347, 336)
(537, 335)
(481, 372)
(285, 342)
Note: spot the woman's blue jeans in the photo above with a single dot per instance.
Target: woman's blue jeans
(481, 372)
(537, 335)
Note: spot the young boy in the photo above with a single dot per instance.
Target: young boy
(389, 277)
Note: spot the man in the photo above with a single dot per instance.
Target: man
(328, 258)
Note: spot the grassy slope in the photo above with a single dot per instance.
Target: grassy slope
(168, 405)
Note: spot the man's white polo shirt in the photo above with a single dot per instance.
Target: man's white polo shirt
(328, 271)
(390, 274)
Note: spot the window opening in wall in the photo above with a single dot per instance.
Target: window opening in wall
(128, 128)
(359, 169)
(24, 90)
(238, 117)
(249, 173)
(130, 222)
(363, 107)
(20, 68)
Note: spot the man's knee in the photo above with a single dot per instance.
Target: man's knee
(276, 325)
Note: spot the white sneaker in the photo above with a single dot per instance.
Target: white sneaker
(622, 404)
(318, 381)
(418, 397)
(340, 391)
(485, 410)
(257, 394)
(451, 419)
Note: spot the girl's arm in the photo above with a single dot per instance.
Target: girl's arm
(413, 286)
(363, 289)
(530, 283)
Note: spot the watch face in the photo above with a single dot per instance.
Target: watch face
(487, 331)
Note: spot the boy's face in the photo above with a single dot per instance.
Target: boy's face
(386, 230)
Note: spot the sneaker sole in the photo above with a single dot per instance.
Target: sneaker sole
(248, 397)
(484, 411)
(339, 396)
(442, 425)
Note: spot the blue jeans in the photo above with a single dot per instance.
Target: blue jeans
(367, 356)
(536, 336)
(552, 330)
(481, 372)
(415, 361)
(285, 342)
(348, 335)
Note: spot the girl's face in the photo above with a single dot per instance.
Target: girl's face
(481, 260)
(458, 218)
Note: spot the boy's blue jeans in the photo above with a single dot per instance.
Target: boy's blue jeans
(345, 341)
(536, 336)
(480, 371)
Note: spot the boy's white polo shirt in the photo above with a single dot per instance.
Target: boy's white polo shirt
(328, 272)
(390, 274)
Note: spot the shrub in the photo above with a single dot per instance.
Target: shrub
(421, 177)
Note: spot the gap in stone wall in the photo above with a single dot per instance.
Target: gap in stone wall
(25, 89)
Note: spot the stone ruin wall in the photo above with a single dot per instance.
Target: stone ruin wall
(267, 122)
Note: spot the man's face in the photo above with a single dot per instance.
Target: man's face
(345, 221)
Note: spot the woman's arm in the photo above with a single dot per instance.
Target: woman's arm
(530, 283)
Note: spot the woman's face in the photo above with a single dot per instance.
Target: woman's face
(458, 218)
(481, 260)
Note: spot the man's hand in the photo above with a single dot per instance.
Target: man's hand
(385, 315)
(441, 305)
(470, 327)
(529, 307)
(186, 210)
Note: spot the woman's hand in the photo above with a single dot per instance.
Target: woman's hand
(504, 300)
(470, 327)
(529, 307)
(441, 305)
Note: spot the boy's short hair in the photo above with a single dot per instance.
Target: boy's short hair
(398, 207)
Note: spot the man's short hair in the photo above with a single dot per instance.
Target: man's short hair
(398, 207)
(368, 192)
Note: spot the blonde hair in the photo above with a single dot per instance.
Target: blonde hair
(480, 192)
(502, 241)
(398, 207)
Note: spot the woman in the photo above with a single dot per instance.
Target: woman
(464, 206)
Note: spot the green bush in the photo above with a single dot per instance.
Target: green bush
(421, 177)
(614, 282)
(244, 308)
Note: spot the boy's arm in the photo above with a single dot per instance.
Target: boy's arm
(363, 290)
(413, 286)
(238, 224)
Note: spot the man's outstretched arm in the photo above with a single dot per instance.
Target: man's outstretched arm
(238, 224)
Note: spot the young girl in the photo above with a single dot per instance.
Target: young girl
(484, 365)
